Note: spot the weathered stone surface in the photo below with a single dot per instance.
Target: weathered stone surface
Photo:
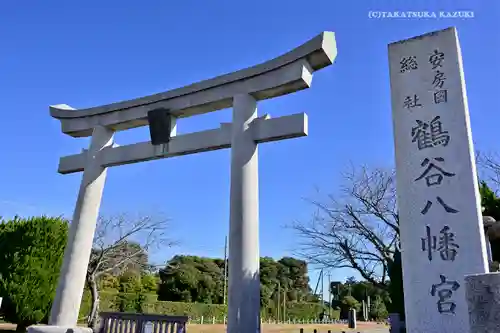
(488, 221)
(493, 230)
(483, 301)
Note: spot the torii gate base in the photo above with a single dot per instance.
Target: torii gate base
(241, 90)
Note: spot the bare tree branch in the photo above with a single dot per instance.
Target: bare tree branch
(122, 243)
(357, 229)
(489, 167)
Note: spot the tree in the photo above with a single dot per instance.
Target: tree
(396, 290)
(31, 254)
(490, 203)
(378, 310)
(191, 279)
(490, 166)
(360, 290)
(150, 282)
(120, 245)
(357, 229)
(195, 279)
(350, 302)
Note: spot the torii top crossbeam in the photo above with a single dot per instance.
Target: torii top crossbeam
(282, 75)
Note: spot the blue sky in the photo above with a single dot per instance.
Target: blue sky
(88, 53)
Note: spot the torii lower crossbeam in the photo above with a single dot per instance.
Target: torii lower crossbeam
(263, 130)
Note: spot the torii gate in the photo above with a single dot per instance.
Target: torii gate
(241, 90)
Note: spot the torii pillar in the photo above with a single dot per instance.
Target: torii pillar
(244, 282)
(241, 90)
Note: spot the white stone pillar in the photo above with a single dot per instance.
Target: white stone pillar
(437, 188)
(244, 280)
(81, 233)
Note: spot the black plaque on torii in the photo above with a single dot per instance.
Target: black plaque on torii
(160, 122)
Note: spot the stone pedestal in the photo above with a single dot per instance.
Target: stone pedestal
(58, 329)
(483, 301)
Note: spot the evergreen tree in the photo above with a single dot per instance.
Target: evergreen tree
(31, 254)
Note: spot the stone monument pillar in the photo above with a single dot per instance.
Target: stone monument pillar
(442, 236)
(351, 319)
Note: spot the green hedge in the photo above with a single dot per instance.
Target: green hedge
(302, 310)
(148, 303)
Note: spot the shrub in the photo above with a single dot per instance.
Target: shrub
(148, 303)
(306, 310)
(31, 254)
(378, 311)
(351, 303)
(150, 283)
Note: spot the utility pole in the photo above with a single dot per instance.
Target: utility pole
(225, 270)
(317, 284)
(284, 303)
(330, 294)
(322, 288)
(278, 307)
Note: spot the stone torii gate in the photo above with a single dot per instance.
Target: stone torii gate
(240, 90)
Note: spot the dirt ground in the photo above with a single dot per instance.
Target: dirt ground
(266, 328)
(289, 328)
(7, 328)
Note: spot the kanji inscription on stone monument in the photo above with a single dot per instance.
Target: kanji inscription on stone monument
(442, 239)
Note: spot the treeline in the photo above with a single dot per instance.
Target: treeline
(195, 279)
(201, 280)
(192, 279)
(351, 295)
